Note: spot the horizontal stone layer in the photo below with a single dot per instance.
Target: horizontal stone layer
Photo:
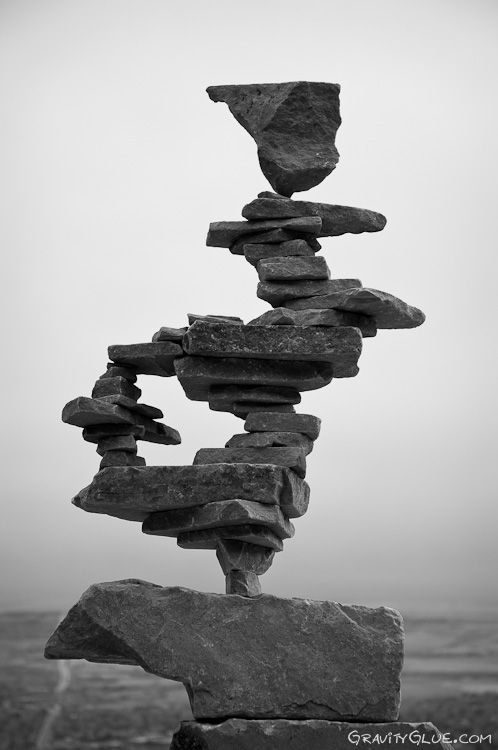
(292, 458)
(116, 386)
(283, 316)
(166, 333)
(145, 410)
(152, 358)
(193, 317)
(271, 439)
(259, 658)
(292, 248)
(263, 395)
(274, 237)
(279, 292)
(225, 233)
(293, 269)
(249, 533)
(242, 408)
(133, 493)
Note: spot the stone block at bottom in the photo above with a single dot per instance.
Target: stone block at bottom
(311, 734)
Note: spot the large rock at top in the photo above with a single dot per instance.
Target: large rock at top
(132, 493)
(258, 658)
(294, 126)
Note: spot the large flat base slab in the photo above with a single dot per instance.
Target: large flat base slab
(313, 734)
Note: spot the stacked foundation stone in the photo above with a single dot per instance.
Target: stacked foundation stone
(261, 672)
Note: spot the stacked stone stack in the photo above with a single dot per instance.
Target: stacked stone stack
(261, 672)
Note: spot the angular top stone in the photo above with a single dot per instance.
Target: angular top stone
(294, 126)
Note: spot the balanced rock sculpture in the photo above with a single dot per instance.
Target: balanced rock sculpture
(260, 671)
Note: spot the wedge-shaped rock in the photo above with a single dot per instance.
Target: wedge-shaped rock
(233, 555)
(308, 734)
(114, 387)
(280, 293)
(192, 318)
(264, 422)
(166, 333)
(336, 220)
(242, 583)
(339, 346)
(225, 233)
(294, 126)
(134, 493)
(293, 458)
(118, 371)
(290, 249)
(151, 412)
(249, 533)
(271, 439)
(283, 316)
(213, 515)
(386, 310)
(254, 658)
(197, 374)
(293, 269)
(154, 358)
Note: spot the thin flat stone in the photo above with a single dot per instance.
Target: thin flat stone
(225, 233)
(263, 422)
(165, 333)
(386, 310)
(277, 207)
(83, 412)
(116, 387)
(293, 458)
(210, 538)
(115, 371)
(218, 514)
(293, 269)
(121, 458)
(117, 443)
(284, 316)
(197, 374)
(152, 358)
(291, 248)
(274, 237)
(94, 433)
(233, 555)
(134, 493)
(192, 318)
(294, 125)
(340, 346)
(279, 293)
(151, 412)
(243, 408)
(231, 393)
(242, 583)
(271, 439)
(307, 734)
(287, 658)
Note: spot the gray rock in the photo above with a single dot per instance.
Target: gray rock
(283, 316)
(218, 514)
(336, 220)
(94, 433)
(115, 371)
(263, 422)
(210, 538)
(340, 346)
(133, 493)
(262, 657)
(251, 558)
(153, 358)
(293, 458)
(242, 583)
(157, 432)
(294, 126)
(243, 408)
(274, 237)
(308, 734)
(291, 248)
(116, 387)
(226, 233)
(192, 318)
(165, 333)
(117, 443)
(83, 412)
(293, 269)
(271, 439)
(151, 412)
(198, 374)
(279, 293)
(120, 458)
(276, 196)
(386, 310)
(231, 393)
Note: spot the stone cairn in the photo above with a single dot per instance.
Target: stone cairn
(261, 672)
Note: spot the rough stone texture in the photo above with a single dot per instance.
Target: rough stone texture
(151, 412)
(290, 249)
(165, 333)
(336, 220)
(242, 583)
(242, 408)
(192, 317)
(152, 358)
(311, 734)
(117, 443)
(264, 422)
(198, 374)
(116, 387)
(121, 458)
(293, 458)
(214, 515)
(283, 316)
(386, 310)
(271, 439)
(94, 433)
(251, 658)
(134, 493)
(231, 393)
(274, 237)
(279, 293)
(250, 533)
(294, 126)
(233, 555)
(340, 346)
(226, 233)
(115, 371)
(293, 269)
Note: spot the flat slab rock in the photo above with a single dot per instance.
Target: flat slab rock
(226, 233)
(247, 532)
(283, 316)
(293, 458)
(280, 292)
(294, 125)
(306, 423)
(271, 440)
(132, 493)
(265, 657)
(290, 249)
(152, 358)
(293, 269)
(311, 734)
(386, 310)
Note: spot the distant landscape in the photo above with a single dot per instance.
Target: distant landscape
(450, 678)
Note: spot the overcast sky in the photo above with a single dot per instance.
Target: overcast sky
(114, 161)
